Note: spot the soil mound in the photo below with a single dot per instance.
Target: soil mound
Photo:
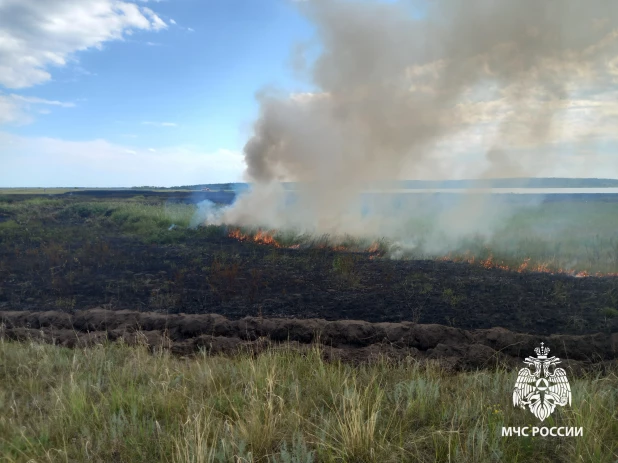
(348, 340)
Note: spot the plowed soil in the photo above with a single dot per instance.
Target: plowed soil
(352, 341)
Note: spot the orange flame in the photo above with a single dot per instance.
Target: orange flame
(375, 247)
(525, 266)
(261, 237)
(267, 238)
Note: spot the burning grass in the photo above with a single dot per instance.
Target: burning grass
(580, 240)
(291, 240)
(580, 266)
(113, 402)
(525, 266)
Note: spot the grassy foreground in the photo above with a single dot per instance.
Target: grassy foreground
(120, 403)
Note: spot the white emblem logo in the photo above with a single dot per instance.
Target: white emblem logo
(541, 390)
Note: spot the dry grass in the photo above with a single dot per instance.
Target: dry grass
(113, 402)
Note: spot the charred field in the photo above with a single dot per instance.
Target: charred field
(138, 253)
(128, 335)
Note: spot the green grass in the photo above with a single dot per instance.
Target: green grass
(60, 190)
(35, 191)
(148, 220)
(113, 402)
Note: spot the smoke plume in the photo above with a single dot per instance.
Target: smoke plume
(406, 90)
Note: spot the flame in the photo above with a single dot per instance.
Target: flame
(267, 238)
(375, 247)
(261, 237)
(525, 266)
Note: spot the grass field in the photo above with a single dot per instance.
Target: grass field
(116, 403)
(119, 403)
(34, 191)
(60, 191)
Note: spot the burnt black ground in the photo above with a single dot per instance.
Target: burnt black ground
(218, 274)
(79, 261)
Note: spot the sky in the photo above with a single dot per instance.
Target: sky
(127, 93)
(121, 93)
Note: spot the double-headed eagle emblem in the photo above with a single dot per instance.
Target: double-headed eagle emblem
(541, 390)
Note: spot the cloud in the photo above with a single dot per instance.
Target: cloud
(16, 109)
(172, 22)
(11, 111)
(36, 35)
(98, 163)
(160, 124)
(35, 100)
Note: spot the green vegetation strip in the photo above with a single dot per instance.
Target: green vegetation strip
(114, 402)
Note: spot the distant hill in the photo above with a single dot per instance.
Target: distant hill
(514, 183)
(456, 184)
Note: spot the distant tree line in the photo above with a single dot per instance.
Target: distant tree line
(482, 183)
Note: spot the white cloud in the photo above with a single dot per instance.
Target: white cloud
(172, 22)
(55, 162)
(35, 100)
(160, 124)
(11, 112)
(16, 109)
(38, 34)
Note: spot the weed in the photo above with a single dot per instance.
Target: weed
(161, 300)
(65, 303)
(560, 292)
(344, 264)
(449, 296)
(609, 312)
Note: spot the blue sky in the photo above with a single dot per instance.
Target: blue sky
(187, 87)
(119, 93)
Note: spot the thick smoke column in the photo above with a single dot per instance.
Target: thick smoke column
(394, 88)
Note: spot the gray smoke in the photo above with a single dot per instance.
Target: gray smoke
(395, 88)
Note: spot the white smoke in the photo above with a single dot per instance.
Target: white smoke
(396, 91)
